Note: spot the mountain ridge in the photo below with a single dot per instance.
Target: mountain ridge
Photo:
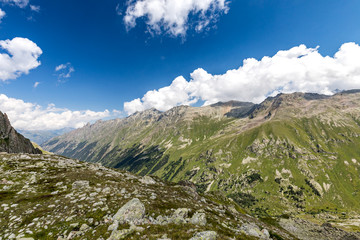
(11, 141)
(282, 151)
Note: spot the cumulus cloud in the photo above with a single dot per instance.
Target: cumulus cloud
(2, 14)
(172, 16)
(21, 57)
(299, 69)
(30, 116)
(64, 71)
(19, 3)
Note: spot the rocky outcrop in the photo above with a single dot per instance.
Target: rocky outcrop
(11, 141)
(132, 212)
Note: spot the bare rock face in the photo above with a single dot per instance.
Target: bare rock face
(13, 142)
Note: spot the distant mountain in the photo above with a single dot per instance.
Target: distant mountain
(42, 136)
(294, 153)
(11, 141)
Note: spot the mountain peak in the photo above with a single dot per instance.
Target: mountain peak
(11, 141)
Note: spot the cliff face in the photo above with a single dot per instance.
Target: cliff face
(13, 142)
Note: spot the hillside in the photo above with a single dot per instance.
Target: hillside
(294, 154)
(11, 141)
(52, 197)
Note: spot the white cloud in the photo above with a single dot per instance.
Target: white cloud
(2, 14)
(60, 67)
(36, 84)
(22, 57)
(64, 71)
(35, 8)
(30, 116)
(299, 69)
(172, 16)
(19, 3)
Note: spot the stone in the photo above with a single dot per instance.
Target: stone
(74, 225)
(120, 234)
(106, 190)
(180, 215)
(147, 180)
(164, 237)
(252, 230)
(198, 219)
(136, 228)
(80, 185)
(132, 212)
(207, 235)
(266, 233)
(162, 220)
(84, 227)
(113, 226)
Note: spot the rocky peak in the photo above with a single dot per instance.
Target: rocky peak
(11, 141)
(148, 114)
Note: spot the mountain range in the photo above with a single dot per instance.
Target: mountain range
(42, 136)
(295, 154)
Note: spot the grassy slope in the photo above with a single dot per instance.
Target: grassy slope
(41, 203)
(217, 154)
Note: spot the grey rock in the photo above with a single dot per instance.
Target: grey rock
(80, 185)
(164, 237)
(120, 234)
(266, 233)
(113, 226)
(198, 219)
(13, 142)
(74, 225)
(136, 228)
(147, 180)
(132, 212)
(207, 235)
(84, 227)
(180, 215)
(161, 220)
(254, 231)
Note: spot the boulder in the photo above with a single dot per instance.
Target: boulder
(180, 215)
(198, 218)
(147, 180)
(132, 212)
(120, 234)
(207, 235)
(254, 231)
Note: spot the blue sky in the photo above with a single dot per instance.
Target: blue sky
(113, 65)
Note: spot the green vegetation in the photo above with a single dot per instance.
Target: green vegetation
(294, 153)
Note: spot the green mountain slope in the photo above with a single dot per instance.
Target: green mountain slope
(295, 153)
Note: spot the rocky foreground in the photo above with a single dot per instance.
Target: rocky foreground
(52, 197)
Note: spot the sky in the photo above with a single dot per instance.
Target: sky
(65, 63)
